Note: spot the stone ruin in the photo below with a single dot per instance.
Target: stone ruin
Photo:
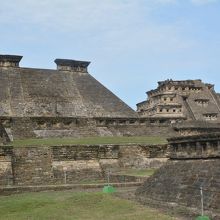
(193, 110)
(73, 164)
(194, 163)
(181, 100)
(69, 102)
(69, 91)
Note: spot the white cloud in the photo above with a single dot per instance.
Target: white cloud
(116, 26)
(69, 14)
(75, 14)
(136, 32)
(166, 1)
(203, 2)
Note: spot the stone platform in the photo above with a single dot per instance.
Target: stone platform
(194, 162)
(57, 165)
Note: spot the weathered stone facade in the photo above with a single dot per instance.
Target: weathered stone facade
(69, 91)
(40, 165)
(67, 102)
(178, 184)
(43, 127)
(194, 163)
(204, 146)
(190, 128)
(6, 174)
(182, 100)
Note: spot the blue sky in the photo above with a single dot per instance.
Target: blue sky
(132, 44)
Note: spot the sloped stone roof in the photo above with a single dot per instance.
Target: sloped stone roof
(42, 92)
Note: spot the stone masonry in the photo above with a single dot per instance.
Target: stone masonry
(194, 163)
(44, 127)
(38, 165)
(66, 102)
(69, 91)
(182, 100)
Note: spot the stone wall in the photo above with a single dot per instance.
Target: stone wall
(73, 164)
(143, 156)
(194, 162)
(201, 146)
(179, 182)
(6, 175)
(43, 127)
(32, 166)
(190, 128)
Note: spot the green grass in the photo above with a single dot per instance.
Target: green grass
(138, 172)
(76, 206)
(89, 141)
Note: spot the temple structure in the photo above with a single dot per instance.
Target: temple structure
(63, 102)
(69, 102)
(182, 100)
(66, 92)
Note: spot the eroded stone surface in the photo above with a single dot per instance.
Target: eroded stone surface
(72, 164)
(180, 181)
(143, 156)
(76, 171)
(181, 100)
(194, 163)
(27, 92)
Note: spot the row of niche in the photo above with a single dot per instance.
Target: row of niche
(149, 103)
(160, 110)
(210, 116)
(92, 122)
(175, 88)
(195, 146)
(200, 102)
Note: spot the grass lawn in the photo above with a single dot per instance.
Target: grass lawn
(138, 172)
(75, 206)
(90, 141)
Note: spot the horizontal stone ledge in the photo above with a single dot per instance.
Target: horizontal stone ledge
(37, 188)
(75, 65)
(10, 60)
(195, 158)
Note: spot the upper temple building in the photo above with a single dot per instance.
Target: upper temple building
(181, 100)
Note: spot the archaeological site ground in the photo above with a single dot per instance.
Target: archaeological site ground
(62, 130)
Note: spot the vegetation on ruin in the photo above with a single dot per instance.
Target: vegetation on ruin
(90, 141)
(74, 205)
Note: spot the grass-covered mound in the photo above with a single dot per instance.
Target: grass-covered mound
(138, 172)
(90, 141)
